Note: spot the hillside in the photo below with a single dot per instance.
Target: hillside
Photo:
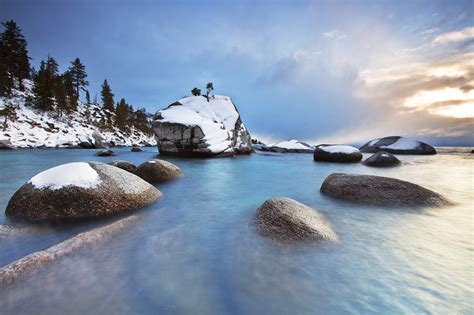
(33, 128)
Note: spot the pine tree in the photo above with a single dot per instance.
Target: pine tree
(70, 92)
(107, 96)
(140, 121)
(196, 91)
(44, 84)
(8, 111)
(121, 113)
(88, 97)
(78, 75)
(60, 95)
(209, 88)
(14, 60)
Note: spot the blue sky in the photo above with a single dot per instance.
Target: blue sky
(320, 71)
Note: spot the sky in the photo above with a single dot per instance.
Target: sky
(316, 71)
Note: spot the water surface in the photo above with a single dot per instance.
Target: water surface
(196, 252)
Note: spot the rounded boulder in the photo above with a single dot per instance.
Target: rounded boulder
(382, 159)
(80, 190)
(380, 191)
(287, 220)
(127, 166)
(154, 171)
(337, 153)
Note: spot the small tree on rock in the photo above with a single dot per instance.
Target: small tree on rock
(209, 88)
(196, 91)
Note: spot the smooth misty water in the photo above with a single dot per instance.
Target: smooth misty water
(195, 251)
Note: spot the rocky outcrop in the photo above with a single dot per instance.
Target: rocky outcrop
(194, 127)
(127, 166)
(80, 190)
(105, 153)
(380, 191)
(382, 159)
(337, 153)
(6, 144)
(36, 261)
(290, 146)
(287, 220)
(397, 145)
(155, 171)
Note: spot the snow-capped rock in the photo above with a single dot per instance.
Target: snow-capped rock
(80, 190)
(337, 153)
(33, 128)
(193, 126)
(290, 146)
(397, 145)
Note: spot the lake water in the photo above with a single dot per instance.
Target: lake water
(195, 250)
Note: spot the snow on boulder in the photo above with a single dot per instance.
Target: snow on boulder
(397, 145)
(287, 220)
(290, 146)
(195, 127)
(80, 190)
(380, 191)
(337, 153)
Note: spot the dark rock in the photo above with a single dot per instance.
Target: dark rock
(397, 145)
(380, 191)
(158, 171)
(127, 166)
(136, 148)
(287, 220)
(337, 153)
(110, 190)
(6, 145)
(382, 159)
(472, 151)
(105, 153)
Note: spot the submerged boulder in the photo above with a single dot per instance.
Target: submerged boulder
(397, 145)
(154, 171)
(127, 166)
(105, 153)
(380, 191)
(80, 190)
(194, 127)
(337, 153)
(382, 159)
(136, 148)
(290, 146)
(287, 220)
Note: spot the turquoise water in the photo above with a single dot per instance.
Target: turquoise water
(195, 251)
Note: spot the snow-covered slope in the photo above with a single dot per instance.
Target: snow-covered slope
(33, 128)
(194, 126)
(289, 146)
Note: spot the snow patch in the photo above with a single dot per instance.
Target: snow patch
(292, 145)
(77, 174)
(346, 149)
(402, 144)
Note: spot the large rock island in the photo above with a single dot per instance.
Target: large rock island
(194, 127)
(397, 145)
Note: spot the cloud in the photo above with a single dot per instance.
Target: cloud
(334, 34)
(458, 36)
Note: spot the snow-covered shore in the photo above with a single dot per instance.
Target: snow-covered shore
(35, 129)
